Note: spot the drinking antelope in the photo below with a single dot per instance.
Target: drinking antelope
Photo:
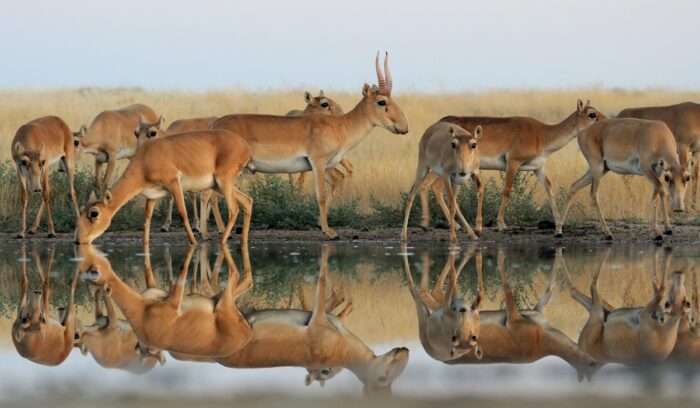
(449, 152)
(292, 144)
(687, 347)
(37, 336)
(684, 121)
(631, 146)
(110, 137)
(524, 336)
(517, 144)
(633, 335)
(206, 327)
(315, 340)
(37, 145)
(448, 327)
(191, 161)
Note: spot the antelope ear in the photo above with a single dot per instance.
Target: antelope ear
(83, 349)
(20, 149)
(307, 97)
(477, 132)
(308, 380)
(42, 148)
(142, 120)
(161, 121)
(366, 90)
(588, 103)
(83, 131)
(92, 198)
(321, 94)
(107, 197)
(579, 105)
(659, 167)
(452, 131)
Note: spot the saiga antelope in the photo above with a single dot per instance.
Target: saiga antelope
(36, 146)
(315, 340)
(211, 327)
(37, 336)
(450, 152)
(684, 121)
(687, 347)
(322, 105)
(110, 137)
(292, 144)
(448, 328)
(190, 161)
(524, 336)
(633, 335)
(517, 144)
(631, 146)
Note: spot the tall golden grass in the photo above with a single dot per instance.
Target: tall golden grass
(385, 163)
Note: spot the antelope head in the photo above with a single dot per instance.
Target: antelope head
(586, 115)
(464, 152)
(94, 219)
(676, 178)
(321, 105)
(81, 133)
(32, 317)
(94, 268)
(31, 165)
(381, 371)
(321, 375)
(148, 130)
(381, 108)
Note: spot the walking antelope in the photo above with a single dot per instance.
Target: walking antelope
(631, 146)
(211, 327)
(292, 144)
(518, 144)
(37, 336)
(633, 335)
(149, 130)
(524, 336)
(684, 121)
(451, 153)
(315, 340)
(322, 105)
(110, 137)
(191, 161)
(448, 328)
(36, 146)
(112, 342)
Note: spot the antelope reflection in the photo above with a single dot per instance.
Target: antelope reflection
(37, 336)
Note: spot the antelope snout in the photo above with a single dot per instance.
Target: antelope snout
(37, 189)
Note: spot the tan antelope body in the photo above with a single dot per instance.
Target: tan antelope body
(110, 137)
(37, 336)
(191, 161)
(524, 336)
(631, 146)
(687, 347)
(450, 153)
(322, 105)
(36, 146)
(292, 144)
(111, 341)
(447, 327)
(684, 121)
(315, 340)
(515, 144)
(633, 335)
(206, 327)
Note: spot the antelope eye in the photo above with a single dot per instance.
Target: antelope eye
(24, 320)
(382, 379)
(43, 320)
(152, 133)
(94, 214)
(325, 105)
(592, 115)
(381, 103)
(667, 178)
(43, 162)
(136, 133)
(454, 145)
(76, 143)
(687, 179)
(473, 145)
(667, 305)
(25, 163)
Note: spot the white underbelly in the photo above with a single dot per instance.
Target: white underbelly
(125, 152)
(293, 164)
(100, 156)
(154, 193)
(629, 166)
(534, 164)
(492, 163)
(197, 184)
(437, 169)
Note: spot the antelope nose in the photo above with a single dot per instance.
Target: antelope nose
(462, 309)
(76, 242)
(474, 338)
(37, 190)
(463, 174)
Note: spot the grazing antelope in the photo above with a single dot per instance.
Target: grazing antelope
(449, 152)
(292, 144)
(37, 336)
(110, 137)
(322, 105)
(112, 342)
(517, 144)
(206, 327)
(631, 146)
(448, 328)
(524, 336)
(149, 130)
(684, 121)
(687, 347)
(315, 340)
(37, 145)
(191, 161)
(633, 335)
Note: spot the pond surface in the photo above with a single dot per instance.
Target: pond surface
(530, 351)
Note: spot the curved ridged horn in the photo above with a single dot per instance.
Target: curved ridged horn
(387, 75)
(380, 76)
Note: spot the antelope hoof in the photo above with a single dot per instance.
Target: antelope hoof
(477, 233)
(239, 230)
(20, 236)
(608, 238)
(195, 230)
(335, 238)
(31, 232)
(668, 232)
(424, 228)
(164, 229)
(559, 235)
(658, 238)
(51, 235)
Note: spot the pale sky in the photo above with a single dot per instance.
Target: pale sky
(434, 45)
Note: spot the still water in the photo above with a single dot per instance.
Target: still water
(418, 321)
